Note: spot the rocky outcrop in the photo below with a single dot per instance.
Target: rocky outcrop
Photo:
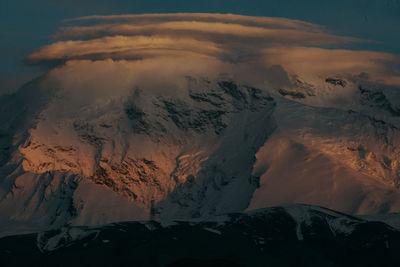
(138, 179)
(336, 81)
(377, 100)
(293, 94)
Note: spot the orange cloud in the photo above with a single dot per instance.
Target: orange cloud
(310, 61)
(193, 28)
(121, 47)
(255, 43)
(270, 22)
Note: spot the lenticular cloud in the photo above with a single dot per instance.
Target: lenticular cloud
(249, 43)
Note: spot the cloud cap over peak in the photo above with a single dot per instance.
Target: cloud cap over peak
(295, 45)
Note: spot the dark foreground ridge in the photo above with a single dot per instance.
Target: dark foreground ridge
(298, 235)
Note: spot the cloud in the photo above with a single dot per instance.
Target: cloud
(122, 47)
(269, 22)
(88, 81)
(207, 30)
(251, 46)
(310, 61)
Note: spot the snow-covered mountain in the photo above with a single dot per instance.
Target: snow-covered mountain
(87, 150)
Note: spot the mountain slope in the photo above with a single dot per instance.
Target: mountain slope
(91, 150)
(141, 146)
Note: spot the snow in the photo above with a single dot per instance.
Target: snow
(64, 237)
(341, 225)
(302, 216)
(150, 225)
(215, 231)
(102, 206)
(307, 160)
(192, 147)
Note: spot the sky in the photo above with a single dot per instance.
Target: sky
(26, 25)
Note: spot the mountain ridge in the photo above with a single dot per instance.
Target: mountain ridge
(309, 236)
(215, 146)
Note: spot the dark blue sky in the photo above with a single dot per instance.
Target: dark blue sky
(27, 24)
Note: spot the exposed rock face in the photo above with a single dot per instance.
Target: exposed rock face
(377, 100)
(137, 179)
(293, 94)
(336, 81)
